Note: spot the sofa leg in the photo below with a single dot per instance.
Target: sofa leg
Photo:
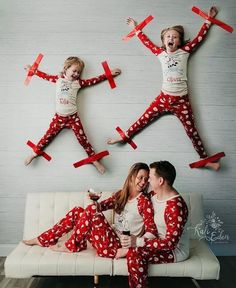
(96, 280)
(195, 283)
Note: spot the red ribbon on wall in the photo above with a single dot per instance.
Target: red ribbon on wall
(91, 159)
(33, 69)
(213, 20)
(125, 138)
(38, 152)
(109, 75)
(140, 26)
(203, 162)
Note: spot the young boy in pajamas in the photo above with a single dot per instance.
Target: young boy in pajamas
(67, 86)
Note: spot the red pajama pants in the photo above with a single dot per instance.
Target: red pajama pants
(60, 122)
(138, 260)
(178, 106)
(88, 225)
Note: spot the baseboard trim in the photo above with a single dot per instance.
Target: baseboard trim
(5, 249)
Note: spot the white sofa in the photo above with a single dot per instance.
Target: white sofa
(45, 209)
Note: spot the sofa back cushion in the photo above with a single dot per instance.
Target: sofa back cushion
(43, 210)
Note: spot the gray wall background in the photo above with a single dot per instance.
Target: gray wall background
(93, 30)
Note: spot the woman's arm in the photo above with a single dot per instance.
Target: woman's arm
(108, 203)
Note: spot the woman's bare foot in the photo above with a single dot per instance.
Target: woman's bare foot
(29, 159)
(121, 253)
(32, 242)
(60, 247)
(114, 140)
(99, 167)
(213, 165)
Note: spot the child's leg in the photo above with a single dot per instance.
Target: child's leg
(155, 110)
(138, 260)
(183, 110)
(56, 125)
(51, 236)
(78, 129)
(94, 227)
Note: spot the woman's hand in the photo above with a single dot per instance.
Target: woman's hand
(115, 72)
(128, 241)
(130, 21)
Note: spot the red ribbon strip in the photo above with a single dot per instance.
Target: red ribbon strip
(91, 159)
(38, 152)
(203, 162)
(33, 68)
(125, 138)
(213, 20)
(109, 75)
(140, 26)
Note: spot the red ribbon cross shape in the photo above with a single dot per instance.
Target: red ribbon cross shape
(213, 20)
(38, 152)
(203, 162)
(140, 26)
(125, 138)
(33, 69)
(108, 75)
(91, 159)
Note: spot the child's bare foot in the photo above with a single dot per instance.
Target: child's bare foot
(213, 165)
(114, 140)
(29, 159)
(60, 247)
(32, 242)
(121, 253)
(99, 167)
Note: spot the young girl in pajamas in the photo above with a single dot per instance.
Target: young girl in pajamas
(170, 216)
(90, 223)
(173, 98)
(67, 86)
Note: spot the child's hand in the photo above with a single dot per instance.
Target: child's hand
(27, 67)
(130, 21)
(115, 72)
(213, 12)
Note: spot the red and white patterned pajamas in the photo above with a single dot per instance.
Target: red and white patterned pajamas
(91, 225)
(174, 93)
(164, 249)
(71, 121)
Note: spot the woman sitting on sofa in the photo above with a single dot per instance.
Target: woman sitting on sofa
(130, 205)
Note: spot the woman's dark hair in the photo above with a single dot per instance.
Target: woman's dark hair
(165, 170)
(123, 195)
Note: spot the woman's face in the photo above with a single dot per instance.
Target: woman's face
(140, 181)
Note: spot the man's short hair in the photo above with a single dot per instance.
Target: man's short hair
(165, 170)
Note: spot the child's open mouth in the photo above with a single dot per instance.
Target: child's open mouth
(170, 44)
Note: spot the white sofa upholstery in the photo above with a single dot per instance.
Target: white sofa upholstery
(45, 209)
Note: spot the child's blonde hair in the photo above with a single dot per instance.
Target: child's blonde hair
(177, 28)
(72, 61)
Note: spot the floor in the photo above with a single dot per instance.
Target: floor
(227, 280)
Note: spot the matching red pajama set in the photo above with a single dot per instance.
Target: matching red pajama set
(89, 224)
(174, 93)
(66, 110)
